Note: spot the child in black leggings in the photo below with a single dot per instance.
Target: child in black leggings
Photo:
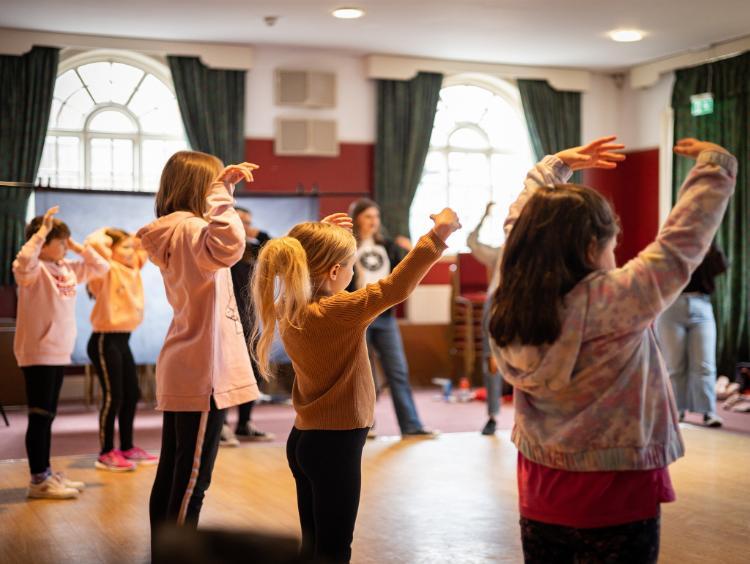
(45, 336)
(118, 311)
(299, 284)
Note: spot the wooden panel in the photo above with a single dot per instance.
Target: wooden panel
(12, 386)
(426, 349)
(8, 301)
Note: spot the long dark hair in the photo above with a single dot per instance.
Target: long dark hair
(545, 256)
(356, 209)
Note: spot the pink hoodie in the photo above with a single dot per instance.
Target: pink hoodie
(204, 354)
(599, 398)
(46, 323)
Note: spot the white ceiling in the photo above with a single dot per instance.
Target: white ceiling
(568, 33)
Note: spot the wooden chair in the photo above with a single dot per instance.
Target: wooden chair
(469, 294)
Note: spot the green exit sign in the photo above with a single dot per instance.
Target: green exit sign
(702, 104)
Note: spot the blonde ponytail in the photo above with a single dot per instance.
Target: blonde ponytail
(287, 276)
(281, 292)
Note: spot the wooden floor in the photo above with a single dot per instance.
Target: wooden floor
(449, 500)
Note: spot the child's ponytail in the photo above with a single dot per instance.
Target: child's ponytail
(281, 291)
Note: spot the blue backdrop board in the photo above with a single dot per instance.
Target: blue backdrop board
(87, 211)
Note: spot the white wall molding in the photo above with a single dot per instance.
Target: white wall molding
(643, 76)
(404, 68)
(666, 159)
(215, 55)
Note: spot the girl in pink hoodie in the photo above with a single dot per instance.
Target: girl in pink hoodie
(45, 336)
(204, 365)
(596, 424)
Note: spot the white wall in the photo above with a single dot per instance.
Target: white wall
(355, 107)
(600, 108)
(642, 113)
(634, 115)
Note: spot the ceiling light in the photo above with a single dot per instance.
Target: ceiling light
(625, 35)
(348, 13)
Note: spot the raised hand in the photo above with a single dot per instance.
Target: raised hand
(238, 172)
(74, 246)
(49, 219)
(403, 242)
(446, 223)
(597, 154)
(691, 148)
(339, 220)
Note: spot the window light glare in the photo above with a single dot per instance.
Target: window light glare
(348, 13)
(626, 35)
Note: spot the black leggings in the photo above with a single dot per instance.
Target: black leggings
(111, 356)
(189, 443)
(630, 543)
(43, 385)
(245, 411)
(327, 468)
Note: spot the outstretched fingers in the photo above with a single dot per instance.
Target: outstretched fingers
(339, 219)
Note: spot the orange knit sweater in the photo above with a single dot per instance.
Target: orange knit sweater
(333, 387)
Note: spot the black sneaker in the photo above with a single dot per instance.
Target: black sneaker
(710, 420)
(251, 433)
(421, 434)
(490, 427)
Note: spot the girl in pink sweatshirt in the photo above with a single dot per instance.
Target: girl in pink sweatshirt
(596, 424)
(204, 365)
(118, 311)
(46, 334)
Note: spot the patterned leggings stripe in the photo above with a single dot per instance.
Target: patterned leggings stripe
(107, 399)
(196, 468)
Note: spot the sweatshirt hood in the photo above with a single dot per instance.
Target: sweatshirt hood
(542, 369)
(156, 237)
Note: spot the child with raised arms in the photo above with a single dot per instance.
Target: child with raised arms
(299, 285)
(118, 311)
(595, 421)
(46, 334)
(204, 365)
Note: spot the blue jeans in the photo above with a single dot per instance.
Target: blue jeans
(687, 337)
(384, 337)
(493, 381)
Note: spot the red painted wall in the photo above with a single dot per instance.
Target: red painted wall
(633, 188)
(340, 180)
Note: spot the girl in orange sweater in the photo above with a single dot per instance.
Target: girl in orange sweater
(299, 284)
(117, 313)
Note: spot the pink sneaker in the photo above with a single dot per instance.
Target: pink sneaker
(139, 456)
(114, 462)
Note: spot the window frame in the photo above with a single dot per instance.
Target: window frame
(149, 66)
(505, 89)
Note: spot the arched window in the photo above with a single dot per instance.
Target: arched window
(479, 152)
(114, 123)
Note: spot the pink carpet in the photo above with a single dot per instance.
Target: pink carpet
(75, 430)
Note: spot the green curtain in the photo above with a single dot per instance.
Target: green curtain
(26, 86)
(406, 112)
(553, 118)
(212, 104)
(729, 126)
